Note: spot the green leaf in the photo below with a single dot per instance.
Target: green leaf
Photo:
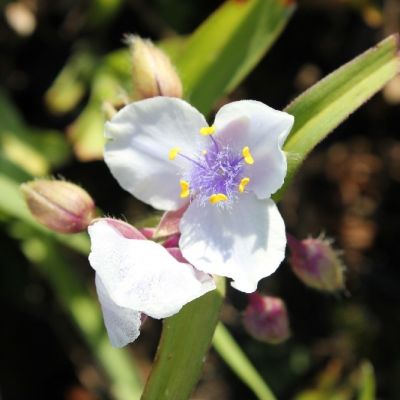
(109, 81)
(185, 339)
(102, 13)
(86, 133)
(212, 63)
(42, 248)
(72, 82)
(12, 170)
(35, 152)
(367, 385)
(233, 355)
(227, 46)
(329, 102)
(83, 309)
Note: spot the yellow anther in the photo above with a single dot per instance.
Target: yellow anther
(173, 153)
(204, 152)
(207, 130)
(243, 183)
(216, 198)
(248, 158)
(184, 189)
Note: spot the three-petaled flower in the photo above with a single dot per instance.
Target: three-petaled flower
(162, 151)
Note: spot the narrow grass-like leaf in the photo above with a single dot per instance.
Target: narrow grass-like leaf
(367, 387)
(329, 102)
(184, 342)
(233, 355)
(84, 311)
(13, 171)
(227, 46)
(72, 82)
(86, 132)
(35, 152)
(41, 247)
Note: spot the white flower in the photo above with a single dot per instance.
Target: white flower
(136, 277)
(162, 151)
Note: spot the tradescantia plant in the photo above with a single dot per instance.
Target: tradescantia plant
(217, 183)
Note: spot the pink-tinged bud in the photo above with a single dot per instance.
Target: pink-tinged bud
(172, 241)
(152, 72)
(148, 233)
(316, 263)
(266, 319)
(177, 254)
(169, 223)
(60, 206)
(126, 230)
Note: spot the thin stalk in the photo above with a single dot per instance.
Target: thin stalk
(235, 358)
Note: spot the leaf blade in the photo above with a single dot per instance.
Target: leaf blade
(235, 358)
(325, 105)
(185, 339)
(214, 60)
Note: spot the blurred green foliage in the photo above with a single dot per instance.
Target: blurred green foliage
(212, 62)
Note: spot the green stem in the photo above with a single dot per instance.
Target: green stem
(181, 352)
(233, 356)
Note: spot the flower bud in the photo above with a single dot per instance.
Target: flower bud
(60, 206)
(172, 241)
(316, 263)
(266, 319)
(126, 230)
(169, 223)
(147, 232)
(152, 71)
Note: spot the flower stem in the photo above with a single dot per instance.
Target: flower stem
(184, 342)
(235, 358)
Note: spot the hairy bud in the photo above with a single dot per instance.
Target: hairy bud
(60, 206)
(126, 230)
(316, 263)
(152, 71)
(266, 319)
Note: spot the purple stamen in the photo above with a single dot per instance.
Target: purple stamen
(215, 143)
(219, 171)
(190, 159)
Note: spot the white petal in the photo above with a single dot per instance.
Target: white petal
(141, 136)
(142, 275)
(245, 243)
(206, 279)
(122, 324)
(264, 130)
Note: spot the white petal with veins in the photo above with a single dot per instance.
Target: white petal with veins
(122, 324)
(245, 243)
(140, 138)
(261, 128)
(142, 275)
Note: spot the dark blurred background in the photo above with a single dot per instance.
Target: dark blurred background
(348, 188)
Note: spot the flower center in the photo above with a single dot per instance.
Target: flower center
(217, 174)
